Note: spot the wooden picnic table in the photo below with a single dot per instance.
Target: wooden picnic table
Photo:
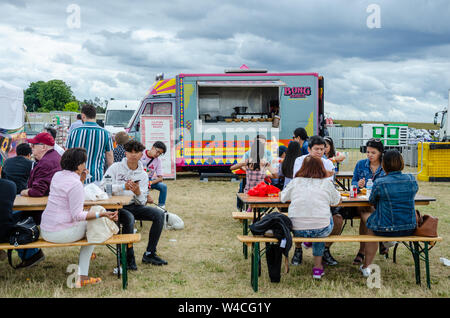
(344, 179)
(22, 203)
(275, 202)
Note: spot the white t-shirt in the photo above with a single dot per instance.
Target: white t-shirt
(327, 163)
(59, 149)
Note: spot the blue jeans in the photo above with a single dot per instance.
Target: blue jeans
(162, 188)
(318, 247)
(25, 253)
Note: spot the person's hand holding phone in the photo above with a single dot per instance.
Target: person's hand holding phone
(133, 186)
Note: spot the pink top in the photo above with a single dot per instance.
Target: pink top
(153, 166)
(65, 202)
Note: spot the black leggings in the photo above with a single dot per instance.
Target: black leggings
(133, 212)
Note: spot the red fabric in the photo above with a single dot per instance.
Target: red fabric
(263, 190)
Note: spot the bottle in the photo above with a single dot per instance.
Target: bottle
(369, 186)
(108, 185)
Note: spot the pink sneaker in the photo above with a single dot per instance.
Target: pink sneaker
(318, 273)
(307, 245)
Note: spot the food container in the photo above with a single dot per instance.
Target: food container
(237, 120)
(254, 119)
(261, 119)
(245, 120)
(228, 120)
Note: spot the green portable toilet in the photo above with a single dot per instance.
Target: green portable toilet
(393, 132)
(378, 132)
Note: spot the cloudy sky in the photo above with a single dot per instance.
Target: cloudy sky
(381, 60)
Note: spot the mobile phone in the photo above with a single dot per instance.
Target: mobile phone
(136, 181)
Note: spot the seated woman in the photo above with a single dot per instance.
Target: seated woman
(393, 196)
(64, 220)
(311, 195)
(366, 169)
(336, 157)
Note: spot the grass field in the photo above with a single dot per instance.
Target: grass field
(206, 260)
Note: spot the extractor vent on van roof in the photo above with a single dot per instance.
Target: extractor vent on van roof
(244, 69)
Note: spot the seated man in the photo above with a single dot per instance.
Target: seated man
(48, 163)
(152, 163)
(17, 169)
(130, 178)
(8, 218)
(39, 185)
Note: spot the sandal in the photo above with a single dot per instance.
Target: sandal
(89, 281)
(358, 259)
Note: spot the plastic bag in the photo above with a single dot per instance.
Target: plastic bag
(173, 222)
(93, 193)
(263, 190)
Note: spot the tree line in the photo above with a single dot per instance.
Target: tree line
(56, 95)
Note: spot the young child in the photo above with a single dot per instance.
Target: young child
(153, 165)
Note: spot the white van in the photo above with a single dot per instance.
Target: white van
(119, 113)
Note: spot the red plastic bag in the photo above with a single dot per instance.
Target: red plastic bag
(263, 190)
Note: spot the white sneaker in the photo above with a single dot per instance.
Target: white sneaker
(365, 271)
(115, 270)
(389, 244)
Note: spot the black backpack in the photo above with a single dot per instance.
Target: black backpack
(23, 232)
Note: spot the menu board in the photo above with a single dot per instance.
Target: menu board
(160, 128)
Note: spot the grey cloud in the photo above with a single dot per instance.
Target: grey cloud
(63, 58)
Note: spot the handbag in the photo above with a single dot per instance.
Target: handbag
(101, 229)
(24, 232)
(426, 225)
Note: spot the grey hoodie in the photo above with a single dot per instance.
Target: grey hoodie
(120, 174)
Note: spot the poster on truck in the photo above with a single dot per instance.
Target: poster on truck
(160, 128)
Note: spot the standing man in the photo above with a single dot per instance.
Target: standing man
(76, 124)
(301, 136)
(97, 142)
(58, 148)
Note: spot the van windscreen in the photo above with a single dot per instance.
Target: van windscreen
(118, 118)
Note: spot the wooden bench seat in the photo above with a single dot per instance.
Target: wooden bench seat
(120, 240)
(414, 246)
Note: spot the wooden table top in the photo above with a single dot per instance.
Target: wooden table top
(22, 203)
(344, 174)
(262, 202)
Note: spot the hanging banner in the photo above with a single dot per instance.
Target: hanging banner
(160, 128)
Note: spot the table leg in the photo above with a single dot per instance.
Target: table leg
(427, 265)
(416, 262)
(118, 254)
(255, 266)
(245, 231)
(124, 266)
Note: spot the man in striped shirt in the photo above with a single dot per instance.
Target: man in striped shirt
(97, 142)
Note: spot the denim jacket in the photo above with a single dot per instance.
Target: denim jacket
(362, 170)
(393, 196)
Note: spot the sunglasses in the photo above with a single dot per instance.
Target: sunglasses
(375, 139)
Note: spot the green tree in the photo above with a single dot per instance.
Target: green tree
(54, 94)
(30, 96)
(71, 107)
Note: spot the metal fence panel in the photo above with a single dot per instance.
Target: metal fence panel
(346, 137)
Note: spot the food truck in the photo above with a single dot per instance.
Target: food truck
(208, 121)
(11, 121)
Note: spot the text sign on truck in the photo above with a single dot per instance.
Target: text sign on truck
(160, 128)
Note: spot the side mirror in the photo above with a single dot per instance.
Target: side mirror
(435, 118)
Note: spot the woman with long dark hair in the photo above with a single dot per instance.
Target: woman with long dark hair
(287, 167)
